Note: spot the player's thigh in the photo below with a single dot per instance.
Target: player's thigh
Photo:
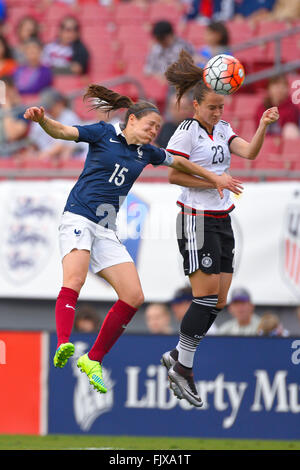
(125, 280)
(75, 268)
(224, 285)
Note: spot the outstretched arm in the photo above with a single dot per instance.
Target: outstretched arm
(54, 128)
(219, 182)
(250, 150)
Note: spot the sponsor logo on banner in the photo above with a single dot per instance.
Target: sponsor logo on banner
(275, 394)
(27, 237)
(291, 248)
(269, 395)
(88, 404)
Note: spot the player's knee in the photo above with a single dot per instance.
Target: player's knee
(135, 299)
(74, 282)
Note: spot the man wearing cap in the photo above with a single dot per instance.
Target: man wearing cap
(245, 321)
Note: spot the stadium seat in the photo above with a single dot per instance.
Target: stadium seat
(95, 14)
(266, 28)
(263, 161)
(245, 105)
(272, 147)
(57, 11)
(291, 150)
(128, 13)
(30, 99)
(68, 83)
(246, 129)
(133, 36)
(194, 33)
(240, 31)
(238, 163)
(291, 48)
(163, 11)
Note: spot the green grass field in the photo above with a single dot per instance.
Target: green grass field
(64, 442)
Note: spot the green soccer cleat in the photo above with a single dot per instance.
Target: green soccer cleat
(93, 370)
(62, 354)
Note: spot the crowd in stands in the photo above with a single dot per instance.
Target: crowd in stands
(165, 319)
(51, 49)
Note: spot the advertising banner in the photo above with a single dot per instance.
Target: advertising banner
(250, 388)
(23, 383)
(266, 223)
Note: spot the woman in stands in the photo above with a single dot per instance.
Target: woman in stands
(117, 155)
(205, 236)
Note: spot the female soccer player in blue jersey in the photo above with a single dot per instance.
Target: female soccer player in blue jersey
(116, 157)
(205, 237)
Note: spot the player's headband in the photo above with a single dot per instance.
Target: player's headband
(155, 110)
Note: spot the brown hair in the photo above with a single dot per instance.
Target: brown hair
(185, 75)
(108, 100)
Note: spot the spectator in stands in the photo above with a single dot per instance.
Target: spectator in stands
(245, 321)
(87, 319)
(7, 62)
(56, 105)
(270, 325)
(278, 95)
(158, 319)
(216, 38)
(181, 301)
(27, 28)
(205, 11)
(68, 54)
(13, 126)
(254, 10)
(285, 11)
(165, 49)
(32, 77)
(174, 116)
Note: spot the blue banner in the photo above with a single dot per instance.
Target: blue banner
(250, 388)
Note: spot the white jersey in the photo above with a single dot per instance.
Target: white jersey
(192, 141)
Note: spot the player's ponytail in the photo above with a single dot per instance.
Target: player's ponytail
(185, 75)
(106, 100)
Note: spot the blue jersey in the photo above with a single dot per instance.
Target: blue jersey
(110, 169)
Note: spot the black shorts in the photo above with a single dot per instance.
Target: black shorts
(205, 243)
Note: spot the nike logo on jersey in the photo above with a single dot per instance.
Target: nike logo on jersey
(114, 141)
(70, 306)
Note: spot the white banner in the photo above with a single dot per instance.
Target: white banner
(266, 223)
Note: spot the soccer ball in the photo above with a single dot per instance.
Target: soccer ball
(224, 74)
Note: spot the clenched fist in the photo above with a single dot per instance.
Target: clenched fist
(270, 115)
(35, 114)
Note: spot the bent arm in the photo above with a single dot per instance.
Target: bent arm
(250, 150)
(219, 182)
(54, 128)
(189, 181)
(59, 131)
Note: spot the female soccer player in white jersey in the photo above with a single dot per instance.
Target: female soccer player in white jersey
(87, 232)
(205, 236)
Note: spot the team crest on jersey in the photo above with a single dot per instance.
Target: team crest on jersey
(206, 261)
(88, 404)
(221, 136)
(28, 232)
(291, 247)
